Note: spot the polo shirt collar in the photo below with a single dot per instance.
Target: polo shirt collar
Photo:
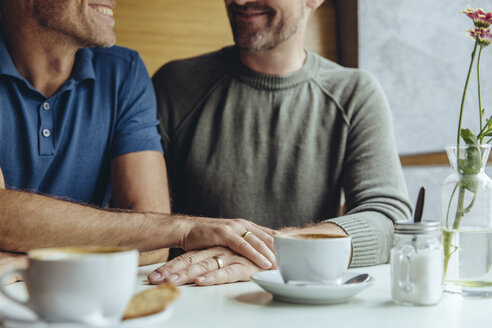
(6, 65)
(83, 68)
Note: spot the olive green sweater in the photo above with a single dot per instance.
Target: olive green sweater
(279, 150)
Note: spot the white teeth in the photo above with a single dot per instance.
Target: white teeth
(105, 11)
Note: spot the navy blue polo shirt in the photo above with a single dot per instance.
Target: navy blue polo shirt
(63, 145)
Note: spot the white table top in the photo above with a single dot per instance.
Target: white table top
(246, 305)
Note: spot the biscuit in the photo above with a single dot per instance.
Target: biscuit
(151, 301)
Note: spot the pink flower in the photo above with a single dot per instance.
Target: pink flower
(483, 35)
(479, 16)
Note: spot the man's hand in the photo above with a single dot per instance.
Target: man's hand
(203, 269)
(200, 233)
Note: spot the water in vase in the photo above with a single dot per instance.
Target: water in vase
(469, 269)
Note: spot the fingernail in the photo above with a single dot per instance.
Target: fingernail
(172, 278)
(202, 280)
(155, 276)
(267, 263)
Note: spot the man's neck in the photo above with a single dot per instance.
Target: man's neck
(287, 57)
(43, 61)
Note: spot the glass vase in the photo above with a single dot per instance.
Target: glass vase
(466, 222)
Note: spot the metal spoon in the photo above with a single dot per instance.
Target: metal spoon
(364, 277)
(419, 207)
(358, 279)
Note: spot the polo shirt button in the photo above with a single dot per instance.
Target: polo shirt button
(46, 133)
(46, 106)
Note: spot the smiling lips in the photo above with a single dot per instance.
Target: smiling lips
(104, 10)
(248, 14)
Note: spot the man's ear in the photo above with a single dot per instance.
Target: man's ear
(314, 4)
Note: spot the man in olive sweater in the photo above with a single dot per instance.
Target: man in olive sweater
(268, 131)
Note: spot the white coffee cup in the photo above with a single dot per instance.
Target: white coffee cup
(315, 258)
(87, 285)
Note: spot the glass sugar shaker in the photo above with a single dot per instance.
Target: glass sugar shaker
(417, 263)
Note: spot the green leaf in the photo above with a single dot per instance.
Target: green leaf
(471, 164)
(489, 122)
(469, 137)
(470, 182)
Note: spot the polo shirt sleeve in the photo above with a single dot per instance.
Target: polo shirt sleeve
(136, 125)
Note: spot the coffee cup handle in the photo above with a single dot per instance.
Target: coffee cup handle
(3, 284)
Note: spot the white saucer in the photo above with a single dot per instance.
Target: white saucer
(272, 282)
(19, 317)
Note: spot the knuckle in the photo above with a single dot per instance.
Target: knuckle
(204, 266)
(228, 273)
(230, 224)
(189, 260)
(244, 247)
(163, 271)
(182, 275)
(242, 222)
(221, 230)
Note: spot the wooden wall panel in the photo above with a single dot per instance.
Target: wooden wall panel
(321, 34)
(163, 30)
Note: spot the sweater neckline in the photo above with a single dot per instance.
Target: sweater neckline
(266, 81)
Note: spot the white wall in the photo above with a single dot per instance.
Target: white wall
(419, 52)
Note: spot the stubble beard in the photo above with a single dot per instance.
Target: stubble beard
(253, 39)
(81, 33)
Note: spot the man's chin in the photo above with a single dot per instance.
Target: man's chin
(108, 44)
(250, 49)
(254, 47)
(102, 43)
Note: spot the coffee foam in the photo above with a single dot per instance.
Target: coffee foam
(64, 253)
(54, 256)
(311, 236)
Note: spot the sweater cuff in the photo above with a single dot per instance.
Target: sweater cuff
(371, 237)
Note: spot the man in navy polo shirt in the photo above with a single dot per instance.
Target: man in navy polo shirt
(78, 122)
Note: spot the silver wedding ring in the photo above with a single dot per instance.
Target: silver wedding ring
(219, 261)
(246, 234)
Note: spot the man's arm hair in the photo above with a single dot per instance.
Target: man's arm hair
(139, 183)
(29, 221)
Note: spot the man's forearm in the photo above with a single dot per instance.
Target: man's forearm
(29, 221)
(154, 256)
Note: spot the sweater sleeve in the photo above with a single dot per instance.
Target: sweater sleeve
(373, 183)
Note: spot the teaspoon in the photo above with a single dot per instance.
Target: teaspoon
(361, 278)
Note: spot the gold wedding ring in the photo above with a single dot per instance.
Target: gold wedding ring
(246, 234)
(219, 261)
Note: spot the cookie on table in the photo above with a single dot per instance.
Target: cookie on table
(151, 301)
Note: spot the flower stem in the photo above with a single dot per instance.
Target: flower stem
(464, 97)
(480, 93)
(449, 205)
(448, 234)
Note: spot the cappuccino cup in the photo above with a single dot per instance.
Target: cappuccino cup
(86, 285)
(312, 257)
